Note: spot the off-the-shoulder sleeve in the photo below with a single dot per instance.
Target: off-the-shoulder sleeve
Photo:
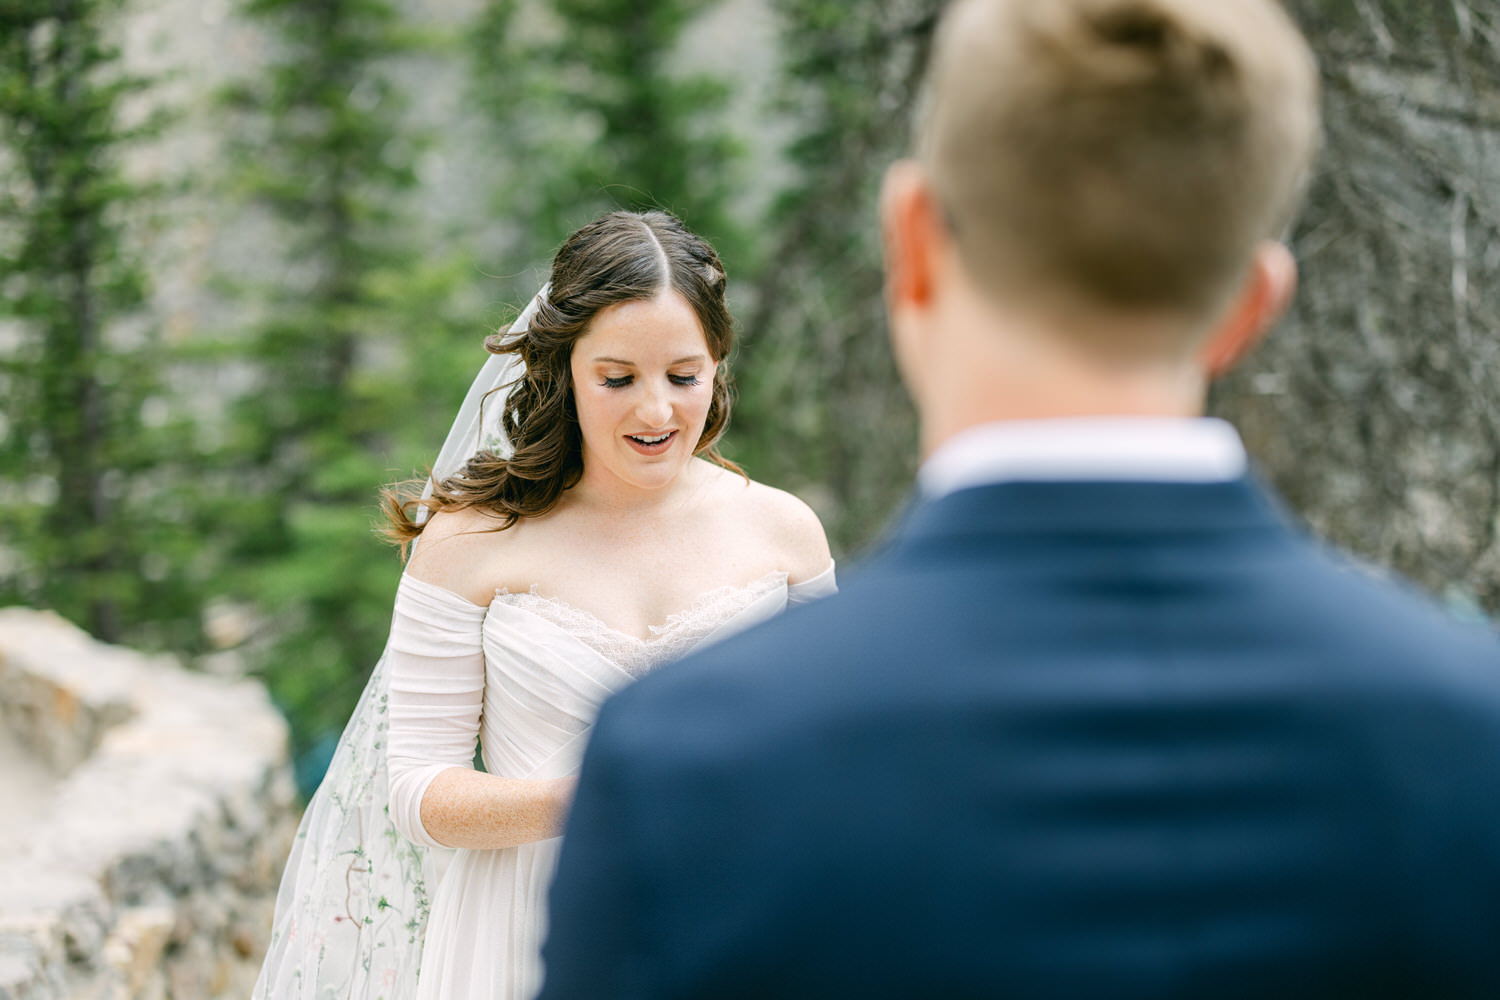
(435, 658)
(822, 585)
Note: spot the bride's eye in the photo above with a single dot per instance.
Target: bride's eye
(684, 379)
(616, 383)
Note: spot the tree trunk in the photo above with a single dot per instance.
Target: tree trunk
(1376, 407)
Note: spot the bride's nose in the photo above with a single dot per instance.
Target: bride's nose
(654, 408)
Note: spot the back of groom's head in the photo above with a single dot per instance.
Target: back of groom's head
(1118, 154)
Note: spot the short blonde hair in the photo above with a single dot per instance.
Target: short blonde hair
(1125, 153)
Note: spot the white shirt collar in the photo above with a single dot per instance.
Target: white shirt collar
(1155, 449)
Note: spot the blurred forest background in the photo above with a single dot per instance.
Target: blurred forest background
(249, 250)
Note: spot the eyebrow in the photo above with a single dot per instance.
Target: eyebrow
(631, 364)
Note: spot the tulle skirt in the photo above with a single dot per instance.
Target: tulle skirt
(488, 920)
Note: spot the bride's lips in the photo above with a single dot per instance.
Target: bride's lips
(651, 444)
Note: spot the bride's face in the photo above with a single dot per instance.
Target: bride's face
(643, 383)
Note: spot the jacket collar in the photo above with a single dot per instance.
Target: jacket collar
(1094, 508)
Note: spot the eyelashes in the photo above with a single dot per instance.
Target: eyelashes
(624, 380)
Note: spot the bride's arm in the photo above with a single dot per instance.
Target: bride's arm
(436, 667)
(470, 809)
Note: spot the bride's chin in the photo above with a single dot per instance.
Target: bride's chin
(647, 473)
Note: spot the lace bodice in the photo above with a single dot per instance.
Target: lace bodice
(669, 640)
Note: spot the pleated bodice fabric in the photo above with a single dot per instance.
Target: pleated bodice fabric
(525, 676)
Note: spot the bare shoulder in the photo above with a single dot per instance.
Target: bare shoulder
(456, 550)
(783, 523)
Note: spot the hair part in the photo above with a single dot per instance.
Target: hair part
(1118, 154)
(619, 257)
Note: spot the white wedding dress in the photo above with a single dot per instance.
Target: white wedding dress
(526, 676)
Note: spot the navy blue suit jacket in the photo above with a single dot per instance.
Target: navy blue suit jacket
(1099, 740)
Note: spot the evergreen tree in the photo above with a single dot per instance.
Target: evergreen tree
(588, 115)
(327, 156)
(821, 410)
(97, 511)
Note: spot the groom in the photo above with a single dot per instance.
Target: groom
(1101, 721)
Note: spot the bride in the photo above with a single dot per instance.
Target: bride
(582, 532)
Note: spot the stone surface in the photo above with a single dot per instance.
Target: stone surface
(1375, 408)
(154, 807)
(25, 783)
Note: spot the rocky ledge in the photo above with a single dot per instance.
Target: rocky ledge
(147, 813)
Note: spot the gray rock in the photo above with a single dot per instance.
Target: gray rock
(147, 865)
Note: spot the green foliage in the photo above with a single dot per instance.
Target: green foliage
(98, 506)
(821, 411)
(353, 330)
(582, 99)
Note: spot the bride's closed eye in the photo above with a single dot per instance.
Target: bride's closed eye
(622, 381)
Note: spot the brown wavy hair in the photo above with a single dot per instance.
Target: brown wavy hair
(619, 257)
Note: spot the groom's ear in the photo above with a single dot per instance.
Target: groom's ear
(912, 230)
(1266, 293)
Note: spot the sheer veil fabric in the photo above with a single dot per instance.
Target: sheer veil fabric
(351, 913)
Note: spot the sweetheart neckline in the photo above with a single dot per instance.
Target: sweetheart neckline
(659, 633)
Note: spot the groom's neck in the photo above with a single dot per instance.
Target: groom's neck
(985, 364)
